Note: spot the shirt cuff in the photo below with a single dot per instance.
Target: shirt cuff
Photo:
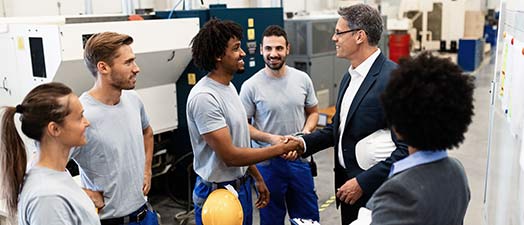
(303, 143)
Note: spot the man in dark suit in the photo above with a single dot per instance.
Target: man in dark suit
(358, 109)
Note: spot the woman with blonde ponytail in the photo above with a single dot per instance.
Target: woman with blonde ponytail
(52, 115)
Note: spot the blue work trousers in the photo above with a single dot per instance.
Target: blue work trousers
(151, 219)
(291, 187)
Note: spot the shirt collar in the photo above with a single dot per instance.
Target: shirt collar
(364, 67)
(415, 159)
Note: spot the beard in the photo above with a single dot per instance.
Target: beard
(241, 71)
(277, 66)
(122, 83)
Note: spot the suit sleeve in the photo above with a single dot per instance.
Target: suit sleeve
(371, 179)
(318, 140)
(393, 204)
(325, 138)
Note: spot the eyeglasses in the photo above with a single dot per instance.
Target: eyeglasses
(337, 33)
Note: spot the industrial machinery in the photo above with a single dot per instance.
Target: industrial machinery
(38, 52)
(430, 22)
(313, 52)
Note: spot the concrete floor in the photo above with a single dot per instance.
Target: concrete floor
(472, 153)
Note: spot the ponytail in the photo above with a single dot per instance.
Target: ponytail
(13, 160)
(40, 107)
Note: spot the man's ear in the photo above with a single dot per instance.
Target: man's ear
(361, 37)
(103, 67)
(53, 129)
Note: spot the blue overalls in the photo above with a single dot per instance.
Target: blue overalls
(290, 184)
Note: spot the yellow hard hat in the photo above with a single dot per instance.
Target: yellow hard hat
(222, 208)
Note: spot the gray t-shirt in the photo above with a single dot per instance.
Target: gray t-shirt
(211, 106)
(52, 197)
(113, 159)
(276, 105)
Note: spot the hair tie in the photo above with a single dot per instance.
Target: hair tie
(19, 109)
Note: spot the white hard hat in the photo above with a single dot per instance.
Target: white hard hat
(374, 148)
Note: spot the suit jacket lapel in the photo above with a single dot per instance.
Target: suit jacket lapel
(344, 85)
(370, 79)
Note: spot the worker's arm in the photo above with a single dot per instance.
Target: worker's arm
(148, 146)
(311, 119)
(263, 136)
(220, 141)
(263, 192)
(96, 196)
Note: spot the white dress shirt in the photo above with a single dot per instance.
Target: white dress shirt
(358, 75)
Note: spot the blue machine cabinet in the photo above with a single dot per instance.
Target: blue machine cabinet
(470, 53)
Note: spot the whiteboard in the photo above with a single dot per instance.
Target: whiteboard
(504, 184)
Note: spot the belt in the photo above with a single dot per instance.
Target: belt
(135, 217)
(237, 183)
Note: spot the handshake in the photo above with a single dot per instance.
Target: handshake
(291, 147)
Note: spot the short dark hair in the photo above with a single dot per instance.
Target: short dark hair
(365, 17)
(103, 47)
(429, 102)
(211, 42)
(275, 30)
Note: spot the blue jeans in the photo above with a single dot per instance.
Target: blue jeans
(202, 190)
(292, 189)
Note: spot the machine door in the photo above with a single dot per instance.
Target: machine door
(322, 76)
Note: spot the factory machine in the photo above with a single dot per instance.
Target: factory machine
(51, 50)
(430, 22)
(313, 52)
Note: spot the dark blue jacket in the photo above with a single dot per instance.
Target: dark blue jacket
(365, 116)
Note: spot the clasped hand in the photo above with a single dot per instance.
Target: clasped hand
(292, 147)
